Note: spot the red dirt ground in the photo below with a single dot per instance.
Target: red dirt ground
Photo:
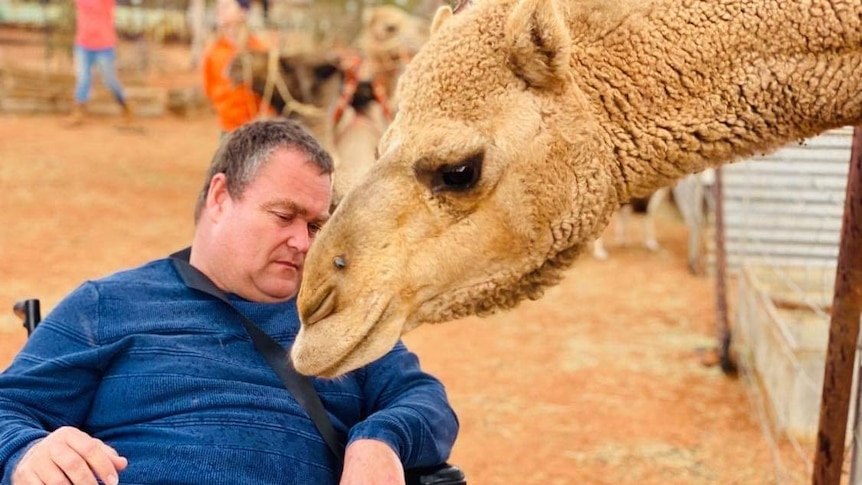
(596, 383)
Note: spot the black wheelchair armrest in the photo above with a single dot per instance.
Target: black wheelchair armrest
(29, 313)
(444, 474)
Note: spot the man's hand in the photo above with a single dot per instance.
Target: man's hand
(371, 462)
(69, 455)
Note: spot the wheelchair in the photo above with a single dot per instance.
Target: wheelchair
(30, 313)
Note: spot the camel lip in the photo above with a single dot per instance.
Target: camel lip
(330, 372)
(339, 368)
(323, 306)
(377, 314)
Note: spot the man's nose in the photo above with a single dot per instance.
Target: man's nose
(299, 238)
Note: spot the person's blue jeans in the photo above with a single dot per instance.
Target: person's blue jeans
(104, 60)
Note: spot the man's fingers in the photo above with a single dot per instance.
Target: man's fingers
(33, 476)
(47, 473)
(72, 464)
(120, 462)
(97, 458)
(69, 456)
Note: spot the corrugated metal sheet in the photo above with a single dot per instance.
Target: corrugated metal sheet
(786, 207)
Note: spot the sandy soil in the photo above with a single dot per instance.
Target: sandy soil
(597, 383)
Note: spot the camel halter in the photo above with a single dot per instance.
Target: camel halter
(351, 81)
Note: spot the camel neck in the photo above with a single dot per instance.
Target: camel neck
(690, 84)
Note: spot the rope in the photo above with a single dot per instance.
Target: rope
(266, 97)
(291, 105)
(247, 77)
(274, 83)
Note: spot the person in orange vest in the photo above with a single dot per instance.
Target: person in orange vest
(95, 46)
(234, 104)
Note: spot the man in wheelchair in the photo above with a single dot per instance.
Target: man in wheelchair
(142, 377)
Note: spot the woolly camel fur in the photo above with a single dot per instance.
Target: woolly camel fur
(522, 126)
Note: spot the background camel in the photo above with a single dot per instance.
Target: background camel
(309, 87)
(523, 125)
(623, 219)
(388, 39)
(343, 98)
(356, 138)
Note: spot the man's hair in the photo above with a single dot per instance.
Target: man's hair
(242, 153)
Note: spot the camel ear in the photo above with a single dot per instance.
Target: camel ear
(443, 14)
(539, 43)
(367, 16)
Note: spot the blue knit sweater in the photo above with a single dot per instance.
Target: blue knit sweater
(169, 377)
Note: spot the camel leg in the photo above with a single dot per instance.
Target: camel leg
(695, 234)
(654, 203)
(599, 251)
(621, 223)
(691, 201)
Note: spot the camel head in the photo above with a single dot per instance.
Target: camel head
(492, 178)
(388, 39)
(388, 33)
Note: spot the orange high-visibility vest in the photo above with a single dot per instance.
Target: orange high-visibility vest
(235, 104)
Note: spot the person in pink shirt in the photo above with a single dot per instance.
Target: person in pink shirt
(95, 45)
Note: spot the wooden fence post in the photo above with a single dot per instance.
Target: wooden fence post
(843, 331)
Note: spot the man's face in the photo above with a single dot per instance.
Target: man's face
(265, 234)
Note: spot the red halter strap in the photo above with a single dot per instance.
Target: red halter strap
(351, 65)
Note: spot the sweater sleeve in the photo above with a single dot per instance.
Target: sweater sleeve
(408, 410)
(51, 381)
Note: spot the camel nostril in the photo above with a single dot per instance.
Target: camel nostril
(339, 262)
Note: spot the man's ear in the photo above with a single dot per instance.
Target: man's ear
(539, 43)
(217, 195)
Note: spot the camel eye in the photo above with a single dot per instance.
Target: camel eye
(460, 177)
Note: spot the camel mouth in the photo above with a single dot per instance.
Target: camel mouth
(347, 363)
(331, 348)
(323, 304)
